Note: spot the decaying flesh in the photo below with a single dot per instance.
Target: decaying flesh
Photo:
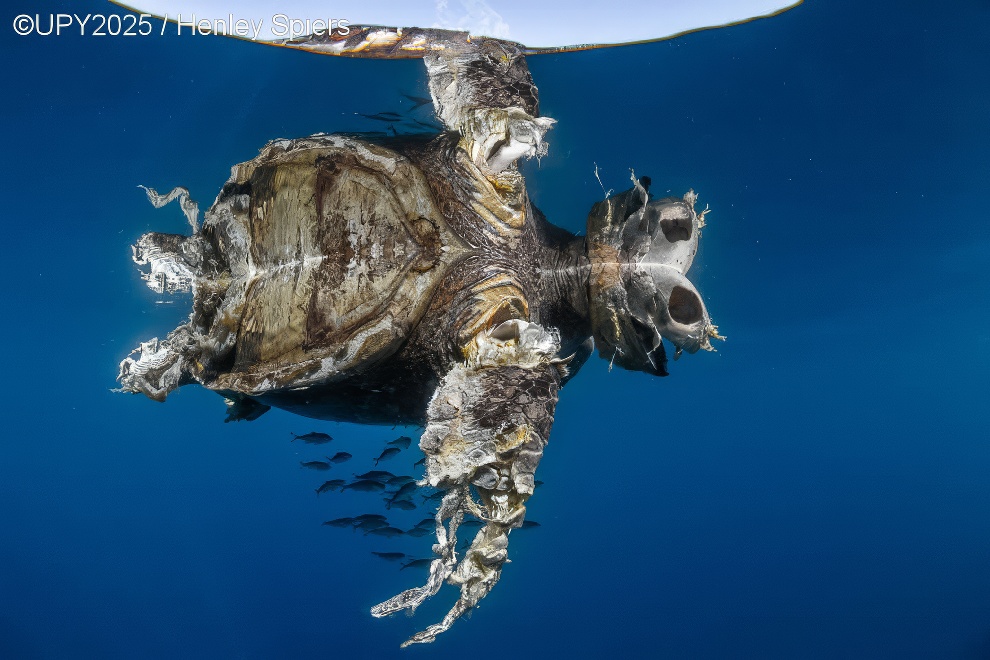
(488, 424)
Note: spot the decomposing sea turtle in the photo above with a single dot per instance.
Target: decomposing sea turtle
(409, 279)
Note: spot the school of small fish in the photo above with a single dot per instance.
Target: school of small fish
(398, 491)
(405, 124)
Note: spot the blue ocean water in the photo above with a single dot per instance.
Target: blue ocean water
(816, 489)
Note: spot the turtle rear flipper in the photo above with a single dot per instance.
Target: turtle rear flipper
(483, 90)
(488, 423)
(481, 87)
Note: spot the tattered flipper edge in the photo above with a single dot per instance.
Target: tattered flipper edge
(450, 508)
(487, 426)
(177, 263)
(189, 207)
(493, 106)
(159, 368)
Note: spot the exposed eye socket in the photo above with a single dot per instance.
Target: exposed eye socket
(684, 306)
(676, 229)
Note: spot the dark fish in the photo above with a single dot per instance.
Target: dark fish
(339, 457)
(428, 523)
(418, 101)
(419, 532)
(399, 481)
(313, 438)
(387, 454)
(389, 532)
(421, 461)
(435, 496)
(390, 556)
(406, 489)
(417, 563)
(369, 516)
(376, 475)
(472, 524)
(537, 483)
(315, 465)
(333, 484)
(368, 525)
(340, 522)
(402, 442)
(365, 486)
(527, 524)
(403, 504)
(382, 116)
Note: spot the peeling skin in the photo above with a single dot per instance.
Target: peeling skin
(488, 424)
(484, 92)
(410, 280)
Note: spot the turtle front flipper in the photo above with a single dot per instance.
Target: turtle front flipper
(488, 423)
(175, 263)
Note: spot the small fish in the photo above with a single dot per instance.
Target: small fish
(315, 465)
(428, 523)
(403, 504)
(389, 532)
(382, 116)
(340, 522)
(421, 461)
(418, 532)
(390, 556)
(369, 516)
(333, 484)
(406, 489)
(527, 524)
(313, 438)
(417, 563)
(537, 483)
(368, 525)
(365, 486)
(402, 442)
(472, 524)
(435, 496)
(339, 457)
(418, 101)
(376, 475)
(387, 454)
(399, 481)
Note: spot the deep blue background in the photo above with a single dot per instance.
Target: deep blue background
(818, 488)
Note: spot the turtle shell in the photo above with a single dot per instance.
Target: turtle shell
(345, 247)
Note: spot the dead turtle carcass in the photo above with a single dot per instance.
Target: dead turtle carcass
(409, 279)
